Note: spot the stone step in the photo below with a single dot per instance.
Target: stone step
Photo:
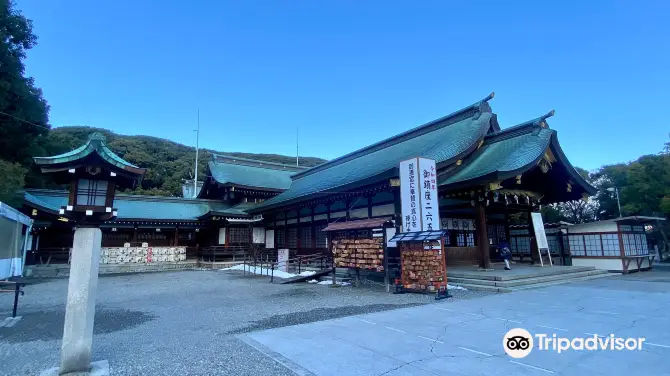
(490, 288)
(525, 281)
(541, 272)
(559, 282)
(338, 279)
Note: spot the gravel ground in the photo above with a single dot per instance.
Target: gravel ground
(182, 323)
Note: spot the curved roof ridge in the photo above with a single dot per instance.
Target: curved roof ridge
(254, 162)
(519, 129)
(478, 107)
(94, 143)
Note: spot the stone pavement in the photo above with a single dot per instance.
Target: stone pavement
(180, 323)
(465, 337)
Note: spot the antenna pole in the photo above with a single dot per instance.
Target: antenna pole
(197, 139)
(297, 158)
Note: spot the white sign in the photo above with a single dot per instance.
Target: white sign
(430, 208)
(418, 195)
(540, 235)
(410, 197)
(282, 260)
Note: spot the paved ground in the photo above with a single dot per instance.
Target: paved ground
(181, 323)
(465, 337)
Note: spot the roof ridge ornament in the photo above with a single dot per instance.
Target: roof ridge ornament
(97, 136)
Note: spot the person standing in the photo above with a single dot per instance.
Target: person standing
(505, 252)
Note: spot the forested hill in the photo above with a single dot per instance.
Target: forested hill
(167, 162)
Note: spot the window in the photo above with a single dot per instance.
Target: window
(306, 237)
(91, 192)
(281, 237)
(465, 239)
(321, 240)
(520, 244)
(496, 231)
(239, 235)
(592, 245)
(611, 245)
(292, 237)
(576, 243)
(635, 244)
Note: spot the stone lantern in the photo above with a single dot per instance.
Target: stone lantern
(93, 173)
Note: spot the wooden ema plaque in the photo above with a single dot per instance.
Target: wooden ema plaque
(359, 253)
(423, 266)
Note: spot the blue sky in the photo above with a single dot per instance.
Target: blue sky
(350, 73)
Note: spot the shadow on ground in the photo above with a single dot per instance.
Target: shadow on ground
(48, 325)
(317, 314)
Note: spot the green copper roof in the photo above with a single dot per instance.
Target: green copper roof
(502, 155)
(513, 151)
(251, 173)
(443, 140)
(94, 144)
(36, 202)
(141, 207)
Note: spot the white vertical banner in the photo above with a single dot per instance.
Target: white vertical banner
(430, 208)
(410, 199)
(540, 235)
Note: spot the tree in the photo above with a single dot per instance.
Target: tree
(168, 163)
(644, 189)
(21, 103)
(579, 211)
(13, 176)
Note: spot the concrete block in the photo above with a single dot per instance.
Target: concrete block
(99, 368)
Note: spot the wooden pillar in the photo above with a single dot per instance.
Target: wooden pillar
(482, 237)
(176, 236)
(347, 204)
(369, 206)
(507, 234)
(534, 252)
(312, 228)
(298, 230)
(135, 233)
(397, 208)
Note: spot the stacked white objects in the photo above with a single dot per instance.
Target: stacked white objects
(141, 255)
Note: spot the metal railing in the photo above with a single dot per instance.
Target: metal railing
(297, 264)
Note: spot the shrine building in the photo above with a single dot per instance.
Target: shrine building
(485, 173)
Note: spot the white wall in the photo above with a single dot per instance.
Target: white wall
(358, 213)
(269, 238)
(258, 235)
(222, 235)
(388, 209)
(338, 214)
(609, 264)
(599, 263)
(593, 227)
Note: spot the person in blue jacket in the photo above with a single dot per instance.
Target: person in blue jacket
(505, 252)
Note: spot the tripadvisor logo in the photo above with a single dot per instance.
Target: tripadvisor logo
(518, 343)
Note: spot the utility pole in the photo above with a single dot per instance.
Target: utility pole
(297, 158)
(197, 139)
